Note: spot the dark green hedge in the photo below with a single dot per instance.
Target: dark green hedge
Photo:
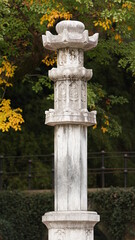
(117, 212)
(21, 214)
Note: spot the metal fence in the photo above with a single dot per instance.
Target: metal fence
(105, 169)
(26, 172)
(112, 169)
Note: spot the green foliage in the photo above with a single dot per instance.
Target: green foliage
(87, 3)
(114, 20)
(116, 100)
(99, 100)
(128, 60)
(116, 207)
(114, 129)
(24, 213)
(42, 81)
(21, 41)
(6, 230)
(35, 138)
(27, 173)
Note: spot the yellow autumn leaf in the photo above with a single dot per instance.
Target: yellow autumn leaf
(118, 38)
(48, 61)
(107, 122)
(95, 23)
(7, 70)
(129, 28)
(54, 14)
(10, 118)
(104, 129)
(127, 5)
(105, 116)
(106, 24)
(95, 126)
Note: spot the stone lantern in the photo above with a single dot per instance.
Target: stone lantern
(70, 118)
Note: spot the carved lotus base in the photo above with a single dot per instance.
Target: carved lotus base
(82, 117)
(71, 225)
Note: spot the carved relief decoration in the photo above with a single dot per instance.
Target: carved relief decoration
(67, 39)
(72, 72)
(73, 91)
(88, 234)
(73, 95)
(69, 56)
(73, 54)
(62, 91)
(61, 96)
(55, 91)
(62, 57)
(60, 235)
(83, 93)
(80, 57)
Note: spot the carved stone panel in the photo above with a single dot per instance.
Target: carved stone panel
(61, 95)
(89, 234)
(62, 57)
(56, 95)
(83, 94)
(60, 234)
(73, 95)
(80, 57)
(70, 57)
(73, 55)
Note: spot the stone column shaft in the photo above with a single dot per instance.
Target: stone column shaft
(70, 167)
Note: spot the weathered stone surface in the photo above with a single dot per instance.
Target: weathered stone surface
(74, 27)
(70, 225)
(72, 216)
(71, 74)
(70, 168)
(70, 57)
(70, 77)
(71, 118)
(82, 117)
(70, 34)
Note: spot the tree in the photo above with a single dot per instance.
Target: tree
(114, 20)
(24, 22)
(20, 38)
(8, 117)
(24, 64)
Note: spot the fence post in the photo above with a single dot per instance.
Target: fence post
(29, 175)
(103, 169)
(1, 171)
(125, 170)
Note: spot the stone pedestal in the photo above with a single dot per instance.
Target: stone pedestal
(70, 225)
(70, 118)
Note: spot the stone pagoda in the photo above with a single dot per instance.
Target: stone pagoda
(70, 118)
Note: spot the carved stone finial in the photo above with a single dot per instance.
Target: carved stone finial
(70, 26)
(70, 34)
